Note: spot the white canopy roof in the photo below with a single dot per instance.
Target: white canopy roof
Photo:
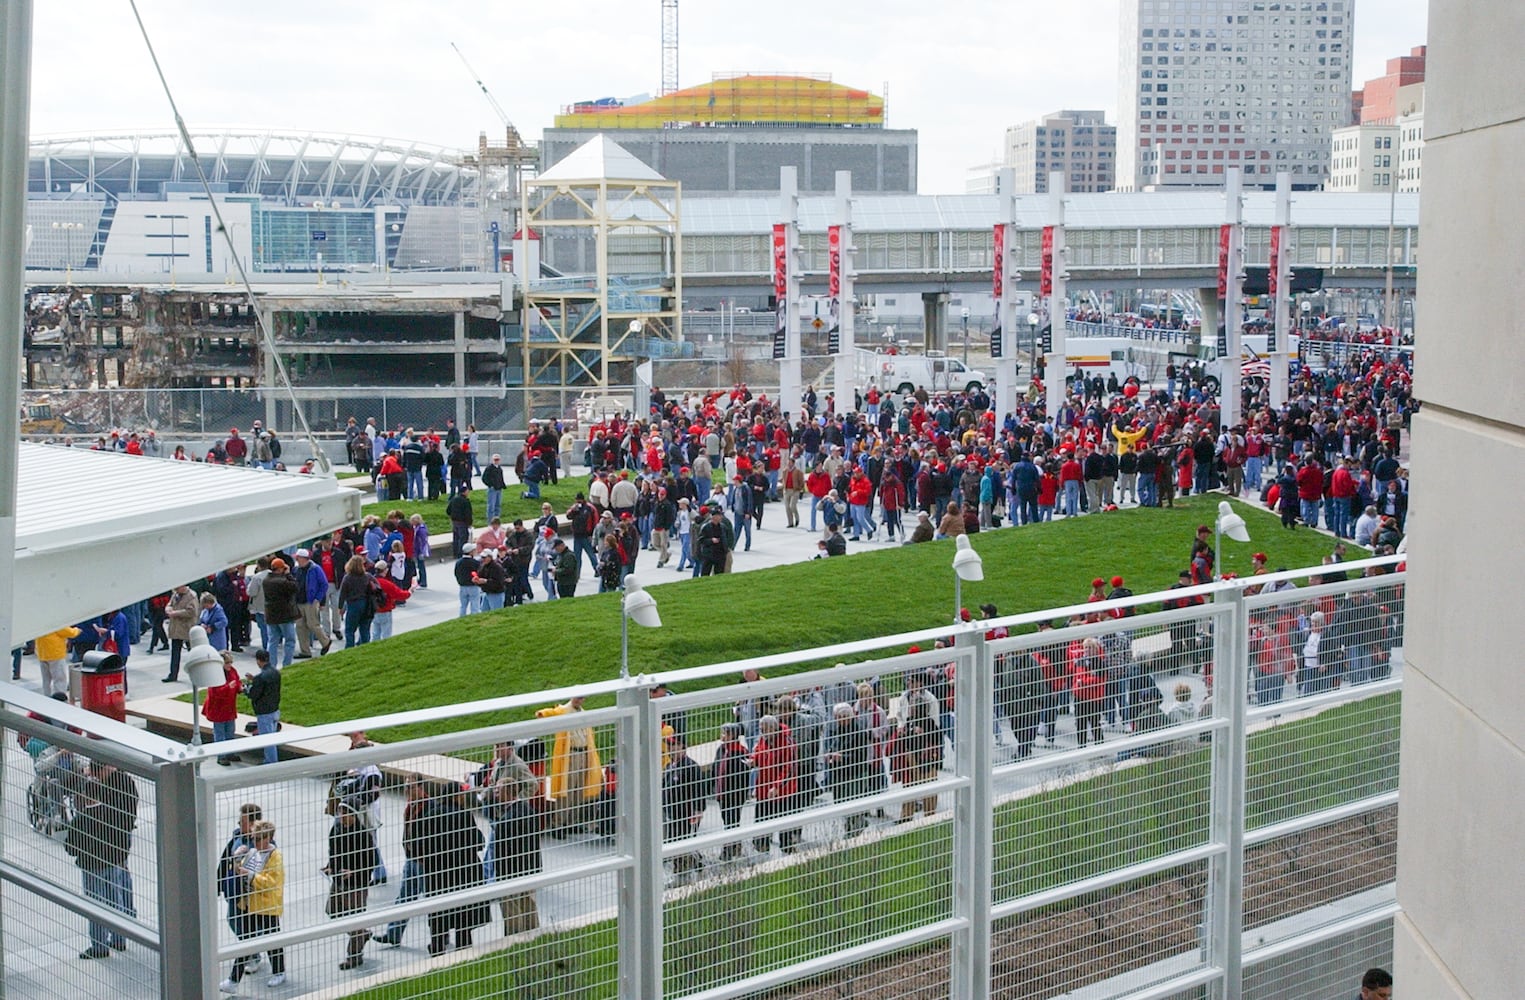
(97, 529)
(599, 159)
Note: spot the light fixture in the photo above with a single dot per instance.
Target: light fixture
(639, 607)
(1230, 524)
(967, 565)
(203, 665)
(636, 326)
(1032, 319)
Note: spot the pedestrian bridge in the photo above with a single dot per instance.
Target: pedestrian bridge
(1115, 240)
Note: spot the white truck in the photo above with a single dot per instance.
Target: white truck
(904, 373)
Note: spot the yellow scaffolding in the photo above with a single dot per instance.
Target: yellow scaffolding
(738, 99)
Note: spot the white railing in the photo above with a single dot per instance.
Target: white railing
(1253, 843)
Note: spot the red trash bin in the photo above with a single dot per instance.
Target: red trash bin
(103, 685)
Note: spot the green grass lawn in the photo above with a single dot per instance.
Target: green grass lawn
(560, 497)
(746, 925)
(795, 607)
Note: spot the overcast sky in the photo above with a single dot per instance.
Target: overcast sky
(960, 71)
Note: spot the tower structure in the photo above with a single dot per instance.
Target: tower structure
(586, 329)
(669, 47)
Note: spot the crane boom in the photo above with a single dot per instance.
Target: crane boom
(513, 133)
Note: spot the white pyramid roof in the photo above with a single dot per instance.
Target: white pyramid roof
(600, 158)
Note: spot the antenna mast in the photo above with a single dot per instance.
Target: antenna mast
(669, 47)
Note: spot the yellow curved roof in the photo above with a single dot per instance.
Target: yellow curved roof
(739, 100)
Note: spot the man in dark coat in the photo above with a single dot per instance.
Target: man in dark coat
(683, 799)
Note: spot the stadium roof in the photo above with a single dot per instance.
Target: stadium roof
(293, 167)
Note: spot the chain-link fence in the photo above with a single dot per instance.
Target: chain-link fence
(1159, 804)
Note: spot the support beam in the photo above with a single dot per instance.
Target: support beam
(1281, 336)
(1057, 361)
(461, 415)
(1006, 368)
(843, 378)
(790, 387)
(1232, 399)
(934, 314)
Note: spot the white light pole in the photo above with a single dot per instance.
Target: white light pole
(641, 607)
(203, 665)
(68, 229)
(964, 315)
(967, 565)
(1230, 524)
(1032, 360)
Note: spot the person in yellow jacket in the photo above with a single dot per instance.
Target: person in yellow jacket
(1127, 440)
(53, 658)
(262, 873)
(576, 774)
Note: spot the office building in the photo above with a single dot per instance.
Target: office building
(1365, 158)
(1210, 84)
(1377, 102)
(1079, 144)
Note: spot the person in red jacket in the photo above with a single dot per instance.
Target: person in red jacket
(860, 492)
(1071, 476)
(892, 499)
(1342, 491)
(391, 596)
(1310, 490)
(774, 757)
(1089, 683)
(220, 707)
(818, 483)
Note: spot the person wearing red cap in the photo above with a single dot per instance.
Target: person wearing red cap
(235, 447)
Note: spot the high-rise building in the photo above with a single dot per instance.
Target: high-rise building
(1205, 85)
(1377, 102)
(1079, 144)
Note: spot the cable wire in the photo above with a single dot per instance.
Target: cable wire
(321, 459)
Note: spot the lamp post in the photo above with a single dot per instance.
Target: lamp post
(641, 607)
(68, 230)
(1032, 339)
(967, 565)
(1230, 524)
(964, 315)
(203, 665)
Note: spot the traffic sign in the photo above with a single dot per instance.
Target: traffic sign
(816, 323)
(319, 235)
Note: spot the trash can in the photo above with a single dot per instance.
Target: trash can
(103, 685)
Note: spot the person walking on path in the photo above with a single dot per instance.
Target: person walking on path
(264, 690)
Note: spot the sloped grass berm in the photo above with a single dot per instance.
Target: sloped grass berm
(795, 607)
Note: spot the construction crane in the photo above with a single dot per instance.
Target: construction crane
(516, 147)
(669, 47)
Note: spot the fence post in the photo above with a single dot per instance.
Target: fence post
(973, 816)
(187, 924)
(1225, 891)
(640, 838)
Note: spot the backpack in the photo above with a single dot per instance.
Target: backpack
(377, 598)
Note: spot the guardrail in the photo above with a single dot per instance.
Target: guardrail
(1252, 843)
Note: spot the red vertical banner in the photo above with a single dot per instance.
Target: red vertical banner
(1046, 275)
(1273, 285)
(1273, 279)
(780, 261)
(781, 289)
(833, 261)
(998, 264)
(1224, 235)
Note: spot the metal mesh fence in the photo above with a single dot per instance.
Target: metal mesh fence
(78, 851)
(1052, 812)
(1107, 942)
